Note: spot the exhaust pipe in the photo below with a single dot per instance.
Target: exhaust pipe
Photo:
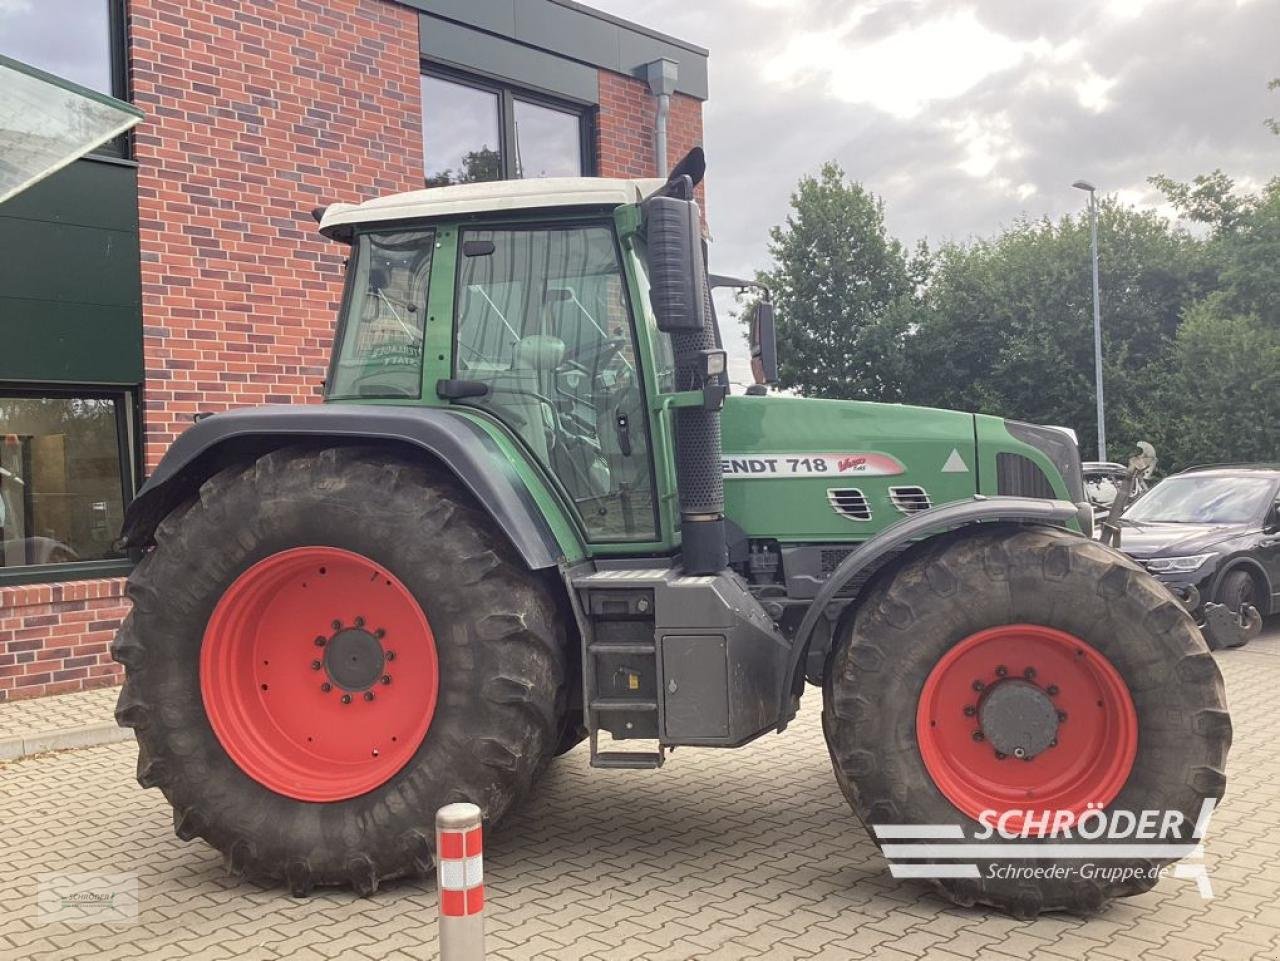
(682, 305)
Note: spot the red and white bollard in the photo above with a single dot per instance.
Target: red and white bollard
(460, 879)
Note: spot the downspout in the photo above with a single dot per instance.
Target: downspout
(662, 75)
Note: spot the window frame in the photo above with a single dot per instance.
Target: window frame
(129, 447)
(507, 95)
(568, 222)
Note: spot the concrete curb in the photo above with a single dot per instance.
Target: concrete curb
(87, 735)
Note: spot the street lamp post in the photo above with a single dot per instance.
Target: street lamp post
(1097, 317)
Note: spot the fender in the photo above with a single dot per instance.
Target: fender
(936, 520)
(458, 443)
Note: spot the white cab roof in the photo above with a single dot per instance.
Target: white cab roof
(493, 196)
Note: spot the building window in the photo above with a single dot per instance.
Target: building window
(65, 476)
(474, 130)
(77, 40)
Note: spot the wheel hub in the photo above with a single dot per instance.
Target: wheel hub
(1018, 718)
(354, 659)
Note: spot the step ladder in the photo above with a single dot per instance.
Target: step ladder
(620, 666)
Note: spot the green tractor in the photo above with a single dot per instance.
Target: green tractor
(531, 513)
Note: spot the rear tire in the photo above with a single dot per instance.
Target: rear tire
(918, 620)
(499, 646)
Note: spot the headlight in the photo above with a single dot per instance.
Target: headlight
(1175, 565)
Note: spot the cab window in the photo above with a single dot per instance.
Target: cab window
(543, 321)
(378, 349)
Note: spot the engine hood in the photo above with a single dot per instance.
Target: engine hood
(1153, 539)
(785, 456)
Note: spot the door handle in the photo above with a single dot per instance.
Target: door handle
(623, 427)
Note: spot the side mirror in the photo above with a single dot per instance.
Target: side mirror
(677, 274)
(764, 343)
(1273, 519)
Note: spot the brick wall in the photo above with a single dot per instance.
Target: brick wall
(626, 122)
(54, 637)
(258, 111)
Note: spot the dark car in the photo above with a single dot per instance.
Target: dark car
(1216, 530)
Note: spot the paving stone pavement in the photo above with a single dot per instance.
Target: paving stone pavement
(39, 714)
(720, 855)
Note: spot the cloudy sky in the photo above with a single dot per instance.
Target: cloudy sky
(963, 116)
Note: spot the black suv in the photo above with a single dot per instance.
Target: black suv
(1214, 529)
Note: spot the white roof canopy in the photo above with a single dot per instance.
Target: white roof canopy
(492, 197)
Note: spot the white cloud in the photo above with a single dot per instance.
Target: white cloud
(902, 73)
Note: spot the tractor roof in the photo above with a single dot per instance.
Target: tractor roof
(491, 197)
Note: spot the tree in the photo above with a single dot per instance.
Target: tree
(1221, 399)
(842, 290)
(1007, 324)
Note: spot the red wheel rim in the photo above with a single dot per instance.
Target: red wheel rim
(318, 673)
(1094, 741)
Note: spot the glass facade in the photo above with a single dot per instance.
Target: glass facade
(473, 130)
(62, 486)
(67, 38)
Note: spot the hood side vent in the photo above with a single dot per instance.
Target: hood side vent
(910, 500)
(849, 502)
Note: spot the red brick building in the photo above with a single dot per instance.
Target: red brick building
(221, 293)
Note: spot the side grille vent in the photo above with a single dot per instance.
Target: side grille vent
(910, 500)
(849, 502)
(1019, 476)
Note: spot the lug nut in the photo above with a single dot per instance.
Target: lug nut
(1001, 671)
(1054, 742)
(380, 633)
(346, 699)
(315, 665)
(326, 687)
(386, 678)
(1000, 756)
(368, 695)
(970, 710)
(1029, 673)
(1019, 752)
(359, 621)
(979, 736)
(1062, 715)
(1052, 690)
(391, 655)
(337, 625)
(320, 641)
(978, 685)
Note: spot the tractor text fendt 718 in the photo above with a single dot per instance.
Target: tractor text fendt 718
(530, 513)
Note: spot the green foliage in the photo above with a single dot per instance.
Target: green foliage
(837, 282)
(1191, 322)
(1220, 400)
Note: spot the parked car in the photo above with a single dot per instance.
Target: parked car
(1212, 534)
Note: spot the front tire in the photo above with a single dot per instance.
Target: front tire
(1237, 593)
(449, 685)
(1113, 697)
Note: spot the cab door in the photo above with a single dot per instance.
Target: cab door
(543, 322)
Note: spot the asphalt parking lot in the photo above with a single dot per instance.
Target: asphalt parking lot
(736, 854)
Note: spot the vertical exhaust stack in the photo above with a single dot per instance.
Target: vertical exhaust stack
(682, 305)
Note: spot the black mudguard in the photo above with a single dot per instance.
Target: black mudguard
(442, 435)
(896, 537)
